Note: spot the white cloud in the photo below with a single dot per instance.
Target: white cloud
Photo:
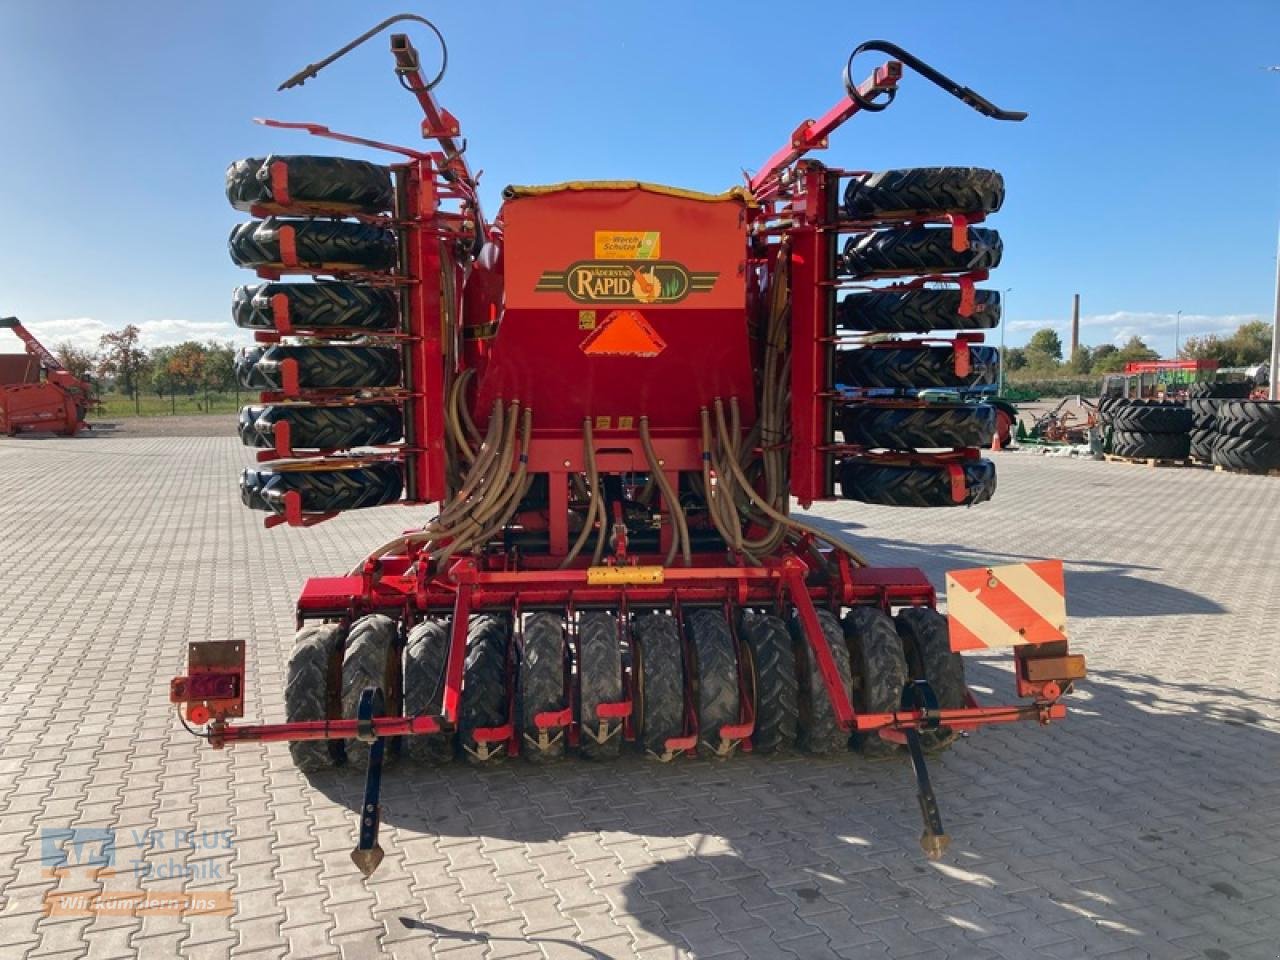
(85, 332)
(1157, 329)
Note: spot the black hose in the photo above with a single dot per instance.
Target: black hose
(969, 96)
(311, 69)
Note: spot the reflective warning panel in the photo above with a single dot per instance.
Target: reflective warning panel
(1006, 606)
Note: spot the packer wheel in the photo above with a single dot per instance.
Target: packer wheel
(368, 662)
(484, 685)
(310, 691)
(715, 681)
(880, 671)
(659, 682)
(325, 304)
(426, 657)
(819, 733)
(917, 191)
(600, 681)
(927, 646)
(330, 184)
(321, 246)
(771, 667)
(540, 684)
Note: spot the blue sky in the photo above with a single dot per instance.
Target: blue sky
(1146, 178)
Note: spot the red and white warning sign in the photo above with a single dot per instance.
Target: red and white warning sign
(1006, 606)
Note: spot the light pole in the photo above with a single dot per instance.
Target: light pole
(1177, 334)
(1004, 324)
(1273, 368)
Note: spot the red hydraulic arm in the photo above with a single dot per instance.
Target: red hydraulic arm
(34, 346)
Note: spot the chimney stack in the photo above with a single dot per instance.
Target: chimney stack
(1075, 324)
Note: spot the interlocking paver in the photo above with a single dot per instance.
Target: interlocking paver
(1147, 825)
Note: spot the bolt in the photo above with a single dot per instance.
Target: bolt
(992, 582)
(566, 464)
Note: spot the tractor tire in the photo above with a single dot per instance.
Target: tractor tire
(323, 428)
(1202, 441)
(426, 658)
(916, 485)
(309, 692)
(923, 191)
(916, 311)
(321, 246)
(660, 682)
(912, 428)
(1153, 417)
(320, 368)
(600, 681)
(331, 488)
(771, 667)
(916, 368)
(1258, 454)
(368, 661)
(1204, 412)
(540, 683)
(927, 644)
(1235, 390)
(1151, 446)
(819, 730)
(919, 250)
(484, 685)
(715, 681)
(879, 672)
(1250, 418)
(331, 184)
(324, 305)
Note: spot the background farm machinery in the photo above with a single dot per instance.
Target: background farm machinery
(37, 393)
(613, 391)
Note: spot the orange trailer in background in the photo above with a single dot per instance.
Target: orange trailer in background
(40, 394)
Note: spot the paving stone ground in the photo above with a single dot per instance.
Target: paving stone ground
(1147, 825)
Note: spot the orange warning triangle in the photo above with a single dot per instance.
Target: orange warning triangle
(624, 333)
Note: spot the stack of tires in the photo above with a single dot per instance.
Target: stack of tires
(325, 367)
(1150, 429)
(1246, 435)
(1204, 399)
(906, 236)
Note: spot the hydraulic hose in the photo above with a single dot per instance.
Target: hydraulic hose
(681, 538)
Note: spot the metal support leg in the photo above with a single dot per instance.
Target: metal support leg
(934, 841)
(368, 853)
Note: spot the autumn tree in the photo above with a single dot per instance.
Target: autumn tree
(123, 360)
(75, 360)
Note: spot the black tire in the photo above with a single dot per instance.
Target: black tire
(1204, 412)
(927, 644)
(368, 661)
(1202, 444)
(1150, 418)
(313, 183)
(334, 487)
(917, 311)
(1250, 418)
(324, 305)
(916, 368)
(912, 428)
(1233, 390)
(715, 681)
(1246, 453)
(1151, 446)
(919, 250)
(426, 657)
(310, 694)
(323, 246)
(915, 485)
(320, 368)
(600, 681)
(484, 685)
(660, 682)
(819, 732)
(879, 670)
(540, 683)
(918, 191)
(323, 428)
(771, 665)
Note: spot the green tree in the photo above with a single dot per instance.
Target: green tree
(1015, 358)
(1047, 342)
(75, 360)
(1106, 358)
(1250, 344)
(1081, 361)
(1136, 349)
(123, 360)
(1208, 347)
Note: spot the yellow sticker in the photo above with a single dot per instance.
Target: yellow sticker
(628, 244)
(604, 423)
(626, 423)
(586, 319)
